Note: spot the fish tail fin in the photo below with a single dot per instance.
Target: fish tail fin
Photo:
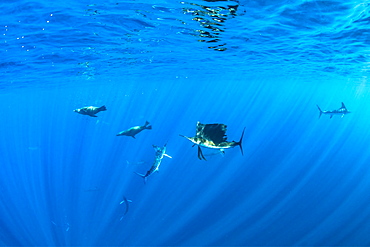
(319, 110)
(241, 141)
(141, 175)
(102, 108)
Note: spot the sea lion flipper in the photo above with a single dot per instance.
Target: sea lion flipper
(102, 108)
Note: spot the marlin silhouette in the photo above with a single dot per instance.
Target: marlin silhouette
(126, 202)
(213, 136)
(160, 153)
(341, 111)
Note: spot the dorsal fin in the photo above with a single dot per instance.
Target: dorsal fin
(343, 106)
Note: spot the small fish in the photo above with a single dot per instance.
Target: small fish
(135, 130)
(341, 111)
(90, 110)
(65, 225)
(160, 153)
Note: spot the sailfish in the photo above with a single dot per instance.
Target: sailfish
(213, 136)
(160, 153)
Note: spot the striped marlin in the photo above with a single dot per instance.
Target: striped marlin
(213, 136)
(160, 153)
(126, 201)
(341, 111)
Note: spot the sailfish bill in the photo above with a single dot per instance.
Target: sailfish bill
(160, 153)
(213, 136)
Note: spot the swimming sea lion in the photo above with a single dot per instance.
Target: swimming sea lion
(90, 110)
(135, 130)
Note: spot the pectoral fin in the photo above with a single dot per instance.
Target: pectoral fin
(167, 156)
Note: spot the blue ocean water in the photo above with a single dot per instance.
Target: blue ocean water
(258, 65)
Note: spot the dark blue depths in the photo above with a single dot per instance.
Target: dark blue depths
(303, 180)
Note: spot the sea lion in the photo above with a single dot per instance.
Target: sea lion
(135, 130)
(90, 110)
